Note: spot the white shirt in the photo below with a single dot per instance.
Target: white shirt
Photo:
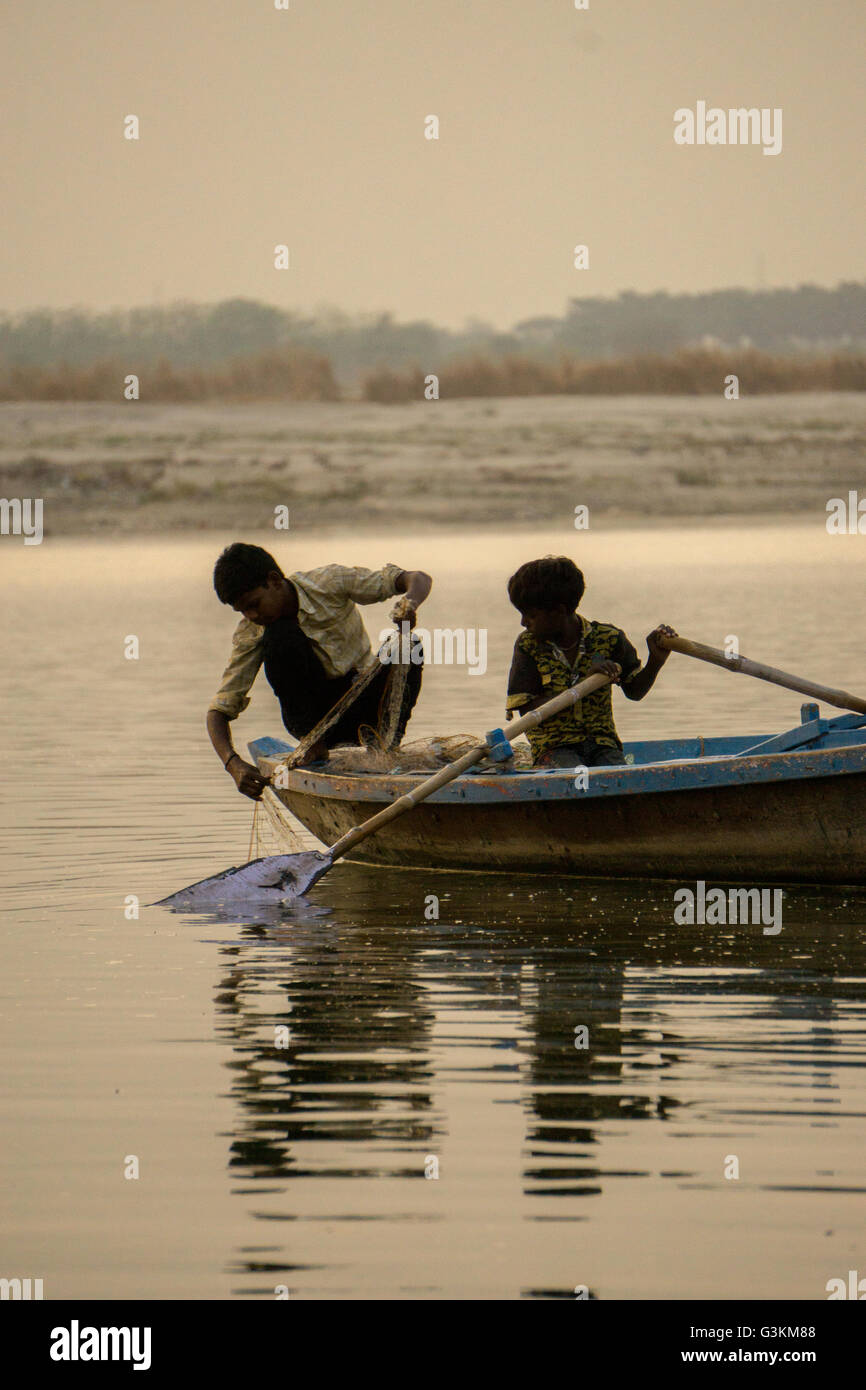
(329, 617)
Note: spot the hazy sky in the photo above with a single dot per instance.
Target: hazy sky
(306, 127)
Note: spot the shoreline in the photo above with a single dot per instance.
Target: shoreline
(608, 524)
(489, 465)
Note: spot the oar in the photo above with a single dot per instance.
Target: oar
(312, 865)
(840, 698)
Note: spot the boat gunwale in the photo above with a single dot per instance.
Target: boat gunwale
(555, 784)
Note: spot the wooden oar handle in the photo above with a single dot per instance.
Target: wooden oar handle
(697, 649)
(841, 699)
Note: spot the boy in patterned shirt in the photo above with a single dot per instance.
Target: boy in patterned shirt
(560, 648)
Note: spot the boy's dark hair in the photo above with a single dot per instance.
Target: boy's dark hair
(240, 568)
(546, 583)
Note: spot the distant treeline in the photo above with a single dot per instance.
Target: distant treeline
(181, 338)
(297, 375)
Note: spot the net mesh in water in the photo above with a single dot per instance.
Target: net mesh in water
(276, 831)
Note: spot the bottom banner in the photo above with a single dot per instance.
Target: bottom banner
(77, 1339)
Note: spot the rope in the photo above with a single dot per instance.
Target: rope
(391, 703)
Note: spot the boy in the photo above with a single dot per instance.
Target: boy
(559, 648)
(307, 633)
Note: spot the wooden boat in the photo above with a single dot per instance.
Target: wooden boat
(783, 809)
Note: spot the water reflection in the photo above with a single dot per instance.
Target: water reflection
(342, 1055)
(388, 1018)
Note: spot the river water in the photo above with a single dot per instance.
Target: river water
(414, 1046)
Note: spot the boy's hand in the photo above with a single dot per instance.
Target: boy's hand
(247, 778)
(658, 653)
(404, 611)
(607, 668)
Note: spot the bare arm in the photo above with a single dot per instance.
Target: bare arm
(645, 679)
(415, 584)
(245, 776)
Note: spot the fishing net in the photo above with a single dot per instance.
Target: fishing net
(276, 831)
(417, 755)
(392, 703)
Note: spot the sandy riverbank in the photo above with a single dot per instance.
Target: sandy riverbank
(135, 468)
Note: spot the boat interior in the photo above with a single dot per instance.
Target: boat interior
(812, 734)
